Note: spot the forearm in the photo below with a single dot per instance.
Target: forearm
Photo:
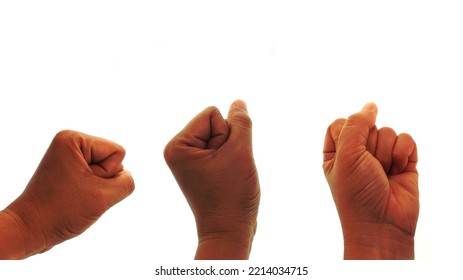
(377, 242)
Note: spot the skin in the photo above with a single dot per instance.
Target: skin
(374, 182)
(212, 161)
(78, 179)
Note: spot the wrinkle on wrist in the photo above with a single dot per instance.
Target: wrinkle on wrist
(364, 241)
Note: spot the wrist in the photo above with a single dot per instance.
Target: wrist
(225, 241)
(367, 241)
(12, 239)
(23, 221)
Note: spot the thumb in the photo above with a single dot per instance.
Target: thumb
(117, 188)
(240, 123)
(208, 130)
(357, 127)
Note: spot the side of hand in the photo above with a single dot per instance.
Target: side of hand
(212, 161)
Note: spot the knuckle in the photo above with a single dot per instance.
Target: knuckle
(388, 131)
(387, 135)
(339, 121)
(121, 150)
(169, 155)
(406, 137)
(212, 109)
(64, 136)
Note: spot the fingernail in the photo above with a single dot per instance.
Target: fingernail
(370, 106)
(240, 104)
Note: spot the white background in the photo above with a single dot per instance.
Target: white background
(136, 72)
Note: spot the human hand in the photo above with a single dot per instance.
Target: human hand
(374, 182)
(212, 161)
(78, 179)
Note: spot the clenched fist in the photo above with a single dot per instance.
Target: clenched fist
(78, 179)
(212, 161)
(374, 182)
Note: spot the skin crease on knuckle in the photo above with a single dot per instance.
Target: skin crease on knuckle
(243, 120)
